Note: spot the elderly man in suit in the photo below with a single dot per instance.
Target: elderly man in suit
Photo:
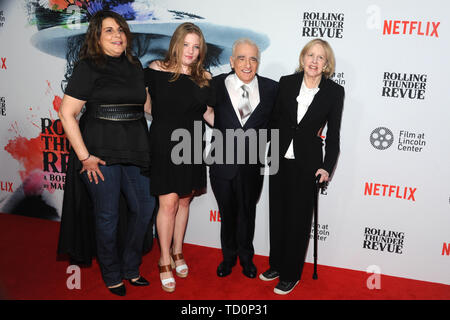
(244, 102)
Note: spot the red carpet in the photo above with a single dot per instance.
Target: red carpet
(29, 270)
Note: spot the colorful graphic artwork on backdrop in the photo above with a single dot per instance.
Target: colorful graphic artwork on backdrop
(43, 160)
(61, 26)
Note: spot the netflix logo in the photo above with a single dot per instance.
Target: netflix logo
(214, 216)
(389, 191)
(420, 28)
(6, 186)
(446, 249)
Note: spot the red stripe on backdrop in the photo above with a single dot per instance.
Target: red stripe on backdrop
(29, 270)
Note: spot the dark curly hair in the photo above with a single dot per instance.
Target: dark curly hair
(91, 48)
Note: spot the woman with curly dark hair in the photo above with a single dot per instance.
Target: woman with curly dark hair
(110, 148)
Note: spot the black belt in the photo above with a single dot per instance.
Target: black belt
(119, 112)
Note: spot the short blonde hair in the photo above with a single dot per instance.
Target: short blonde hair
(331, 61)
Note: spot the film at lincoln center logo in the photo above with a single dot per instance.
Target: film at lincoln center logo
(381, 138)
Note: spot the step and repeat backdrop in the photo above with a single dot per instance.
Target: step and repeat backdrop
(387, 208)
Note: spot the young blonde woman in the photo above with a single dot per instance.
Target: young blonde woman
(180, 98)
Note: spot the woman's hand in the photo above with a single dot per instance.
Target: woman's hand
(148, 103)
(209, 116)
(90, 165)
(324, 176)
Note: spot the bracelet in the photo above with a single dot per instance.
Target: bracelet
(86, 158)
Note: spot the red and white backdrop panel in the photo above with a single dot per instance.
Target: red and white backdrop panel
(388, 202)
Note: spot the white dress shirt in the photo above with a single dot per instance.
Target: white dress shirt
(304, 100)
(233, 85)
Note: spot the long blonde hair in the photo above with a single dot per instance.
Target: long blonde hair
(173, 58)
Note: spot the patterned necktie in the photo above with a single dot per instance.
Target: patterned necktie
(244, 107)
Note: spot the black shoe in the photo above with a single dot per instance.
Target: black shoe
(284, 287)
(139, 282)
(223, 269)
(249, 271)
(269, 275)
(120, 290)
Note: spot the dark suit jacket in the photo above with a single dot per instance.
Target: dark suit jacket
(225, 118)
(326, 108)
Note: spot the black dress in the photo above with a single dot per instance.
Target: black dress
(180, 105)
(116, 142)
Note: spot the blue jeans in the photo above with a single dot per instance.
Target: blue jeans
(105, 197)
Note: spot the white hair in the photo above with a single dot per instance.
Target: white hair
(245, 41)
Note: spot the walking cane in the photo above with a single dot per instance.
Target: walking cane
(316, 200)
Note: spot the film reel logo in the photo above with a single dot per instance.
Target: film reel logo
(381, 138)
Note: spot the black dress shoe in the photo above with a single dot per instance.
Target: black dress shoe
(139, 282)
(269, 275)
(250, 271)
(120, 290)
(284, 287)
(223, 270)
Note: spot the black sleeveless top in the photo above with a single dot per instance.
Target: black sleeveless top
(116, 82)
(176, 105)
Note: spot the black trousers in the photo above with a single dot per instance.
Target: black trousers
(237, 200)
(291, 196)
